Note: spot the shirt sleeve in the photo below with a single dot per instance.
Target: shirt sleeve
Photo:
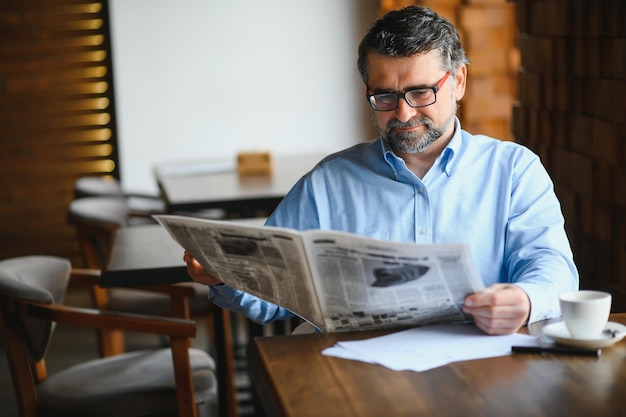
(298, 210)
(538, 254)
(254, 308)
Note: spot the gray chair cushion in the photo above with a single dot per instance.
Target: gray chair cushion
(124, 385)
(109, 212)
(42, 279)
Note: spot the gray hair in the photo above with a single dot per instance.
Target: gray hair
(409, 31)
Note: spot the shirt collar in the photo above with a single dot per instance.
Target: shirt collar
(448, 158)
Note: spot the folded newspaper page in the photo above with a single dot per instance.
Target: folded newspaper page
(337, 281)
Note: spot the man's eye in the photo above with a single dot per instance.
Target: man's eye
(419, 93)
(386, 98)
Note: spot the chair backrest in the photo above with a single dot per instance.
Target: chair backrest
(96, 219)
(142, 206)
(42, 279)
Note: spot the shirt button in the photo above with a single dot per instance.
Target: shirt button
(421, 190)
(423, 231)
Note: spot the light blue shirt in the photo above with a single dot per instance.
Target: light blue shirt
(495, 196)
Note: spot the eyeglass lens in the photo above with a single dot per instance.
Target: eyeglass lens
(420, 97)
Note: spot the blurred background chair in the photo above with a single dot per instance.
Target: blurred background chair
(96, 221)
(141, 206)
(176, 381)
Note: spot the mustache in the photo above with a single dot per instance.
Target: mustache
(395, 123)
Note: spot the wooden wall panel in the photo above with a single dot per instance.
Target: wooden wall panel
(56, 118)
(572, 112)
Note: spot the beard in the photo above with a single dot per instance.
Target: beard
(414, 142)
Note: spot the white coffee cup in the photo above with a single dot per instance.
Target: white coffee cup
(585, 313)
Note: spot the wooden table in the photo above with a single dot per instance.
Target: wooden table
(293, 378)
(200, 185)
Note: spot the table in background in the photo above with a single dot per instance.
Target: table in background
(201, 185)
(293, 378)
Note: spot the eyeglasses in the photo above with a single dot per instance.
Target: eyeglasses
(417, 97)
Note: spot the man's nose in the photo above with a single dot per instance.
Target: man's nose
(404, 112)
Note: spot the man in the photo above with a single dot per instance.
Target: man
(425, 180)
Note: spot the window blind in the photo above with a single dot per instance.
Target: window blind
(57, 119)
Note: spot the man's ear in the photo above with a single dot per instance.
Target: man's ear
(460, 80)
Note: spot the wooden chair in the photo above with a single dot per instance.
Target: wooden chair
(172, 381)
(96, 220)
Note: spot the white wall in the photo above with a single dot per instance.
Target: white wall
(209, 78)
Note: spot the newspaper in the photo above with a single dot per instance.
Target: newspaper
(336, 281)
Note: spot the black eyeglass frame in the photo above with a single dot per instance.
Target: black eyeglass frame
(402, 95)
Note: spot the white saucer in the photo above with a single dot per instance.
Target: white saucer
(613, 333)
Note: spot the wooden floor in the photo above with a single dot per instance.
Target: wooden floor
(71, 345)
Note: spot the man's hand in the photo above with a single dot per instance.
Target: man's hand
(197, 272)
(500, 309)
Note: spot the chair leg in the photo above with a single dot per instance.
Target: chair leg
(22, 374)
(210, 327)
(224, 354)
(184, 379)
(111, 342)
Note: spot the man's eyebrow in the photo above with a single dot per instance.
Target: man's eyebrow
(382, 90)
(390, 90)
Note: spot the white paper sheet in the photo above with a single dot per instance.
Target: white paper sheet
(423, 348)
